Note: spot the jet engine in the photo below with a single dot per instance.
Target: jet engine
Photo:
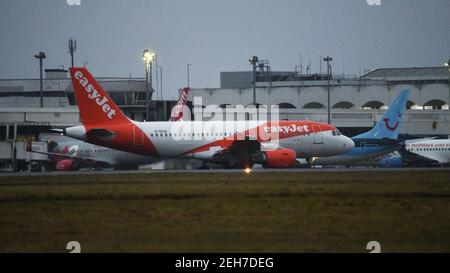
(280, 158)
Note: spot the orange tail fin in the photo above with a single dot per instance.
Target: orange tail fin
(96, 107)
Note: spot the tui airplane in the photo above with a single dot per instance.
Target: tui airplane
(380, 140)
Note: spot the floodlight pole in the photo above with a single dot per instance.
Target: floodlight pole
(148, 58)
(41, 56)
(160, 82)
(328, 59)
(447, 64)
(147, 91)
(253, 61)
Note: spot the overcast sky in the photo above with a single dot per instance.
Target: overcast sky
(217, 36)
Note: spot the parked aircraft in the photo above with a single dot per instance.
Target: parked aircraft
(435, 151)
(75, 154)
(422, 152)
(230, 143)
(382, 139)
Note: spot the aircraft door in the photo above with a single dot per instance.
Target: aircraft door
(363, 146)
(138, 136)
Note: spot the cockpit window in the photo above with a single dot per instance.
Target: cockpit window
(336, 133)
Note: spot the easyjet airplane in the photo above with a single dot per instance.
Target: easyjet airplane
(75, 154)
(275, 144)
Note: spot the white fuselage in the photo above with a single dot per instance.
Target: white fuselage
(169, 145)
(434, 149)
(201, 140)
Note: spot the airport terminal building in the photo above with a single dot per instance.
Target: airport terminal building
(357, 103)
(20, 101)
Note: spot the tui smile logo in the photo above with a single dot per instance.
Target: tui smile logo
(392, 128)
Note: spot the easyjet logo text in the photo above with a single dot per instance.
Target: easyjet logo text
(93, 94)
(287, 129)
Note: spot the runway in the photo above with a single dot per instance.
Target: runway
(221, 171)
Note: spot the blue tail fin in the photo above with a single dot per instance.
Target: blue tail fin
(390, 123)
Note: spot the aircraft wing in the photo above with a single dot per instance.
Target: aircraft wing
(240, 148)
(68, 156)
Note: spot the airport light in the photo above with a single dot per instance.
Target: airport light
(148, 58)
(41, 56)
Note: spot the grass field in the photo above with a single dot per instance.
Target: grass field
(233, 212)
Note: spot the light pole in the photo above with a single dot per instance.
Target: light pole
(253, 61)
(148, 58)
(188, 76)
(41, 57)
(447, 64)
(160, 81)
(328, 59)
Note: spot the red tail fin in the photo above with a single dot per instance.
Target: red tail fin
(177, 113)
(96, 107)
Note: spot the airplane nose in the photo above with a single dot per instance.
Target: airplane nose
(348, 144)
